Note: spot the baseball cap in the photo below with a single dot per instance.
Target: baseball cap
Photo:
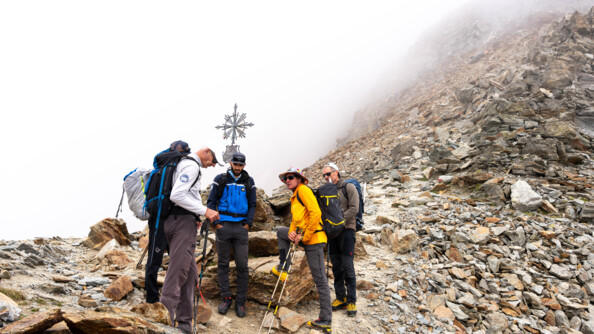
(238, 158)
(214, 157)
(332, 165)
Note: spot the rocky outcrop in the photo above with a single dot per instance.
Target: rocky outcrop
(105, 230)
(34, 324)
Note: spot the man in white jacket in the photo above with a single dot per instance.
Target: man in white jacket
(180, 229)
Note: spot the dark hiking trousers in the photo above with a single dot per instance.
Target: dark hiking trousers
(342, 249)
(182, 275)
(233, 235)
(156, 246)
(315, 259)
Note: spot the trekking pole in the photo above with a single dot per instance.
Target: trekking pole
(328, 260)
(289, 257)
(121, 201)
(139, 264)
(203, 230)
(280, 296)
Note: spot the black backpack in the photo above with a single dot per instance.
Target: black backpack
(160, 183)
(329, 202)
(360, 221)
(223, 184)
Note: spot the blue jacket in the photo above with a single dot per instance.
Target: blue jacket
(237, 202)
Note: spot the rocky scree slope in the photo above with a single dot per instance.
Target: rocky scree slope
(487, 165)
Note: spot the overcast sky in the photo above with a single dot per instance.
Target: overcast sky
(91, 90)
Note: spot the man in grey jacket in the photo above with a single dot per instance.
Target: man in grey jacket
(342, 248)
(181, 229)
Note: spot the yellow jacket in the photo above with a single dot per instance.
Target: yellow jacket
(307, 218)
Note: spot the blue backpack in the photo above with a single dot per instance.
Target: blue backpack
(354, 182)
(160, 183)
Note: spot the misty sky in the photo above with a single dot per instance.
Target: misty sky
(91, 90)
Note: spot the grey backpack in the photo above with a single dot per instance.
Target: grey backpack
(134, 184)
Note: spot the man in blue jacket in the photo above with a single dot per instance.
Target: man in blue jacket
(233, 194)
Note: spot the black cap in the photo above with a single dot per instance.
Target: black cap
(238, 158)
(181, 146)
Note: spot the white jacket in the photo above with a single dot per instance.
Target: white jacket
(181, 194)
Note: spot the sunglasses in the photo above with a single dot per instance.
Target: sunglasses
(288, 178)
(327, 174)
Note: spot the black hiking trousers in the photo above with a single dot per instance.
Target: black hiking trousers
(156, 246)
(342, 255)
(233, 235)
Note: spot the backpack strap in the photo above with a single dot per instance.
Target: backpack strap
(344, 190)
(221, 186)
(199, 169)
(299, 199)
(223, 183)
(301, 202)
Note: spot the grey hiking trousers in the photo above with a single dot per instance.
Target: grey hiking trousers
(182, 276)
(315, 259)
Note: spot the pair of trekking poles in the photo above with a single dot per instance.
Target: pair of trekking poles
(289, 258)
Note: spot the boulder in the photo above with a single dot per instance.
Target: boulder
(557, 74)
(263, 215)
(263, 243)
(87, 301)
(400, 241)
(299, 282)
(465, 94)
(497, 322)
(10, 310)
(290, 320)
(112, 320)
(587, 213)
(404, 147)
(153, 311)
(105, 230)
(203, 313)
(559, 129)
(542, 149)
(117, 258)
(480, 235)
(523, 198)
(35, 323)
(493, 191)
(119, 288)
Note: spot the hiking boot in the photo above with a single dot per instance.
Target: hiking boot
(338, 304)
(239, 310)
(277, 272)
(325, 326)
(351, 309)
(225, 305)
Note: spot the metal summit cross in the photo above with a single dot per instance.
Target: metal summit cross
(233, 127)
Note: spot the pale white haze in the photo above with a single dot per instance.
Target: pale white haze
(91, 90)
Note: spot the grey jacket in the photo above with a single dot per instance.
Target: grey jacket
(349, 202)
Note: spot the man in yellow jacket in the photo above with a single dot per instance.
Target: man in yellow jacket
(306, 231)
